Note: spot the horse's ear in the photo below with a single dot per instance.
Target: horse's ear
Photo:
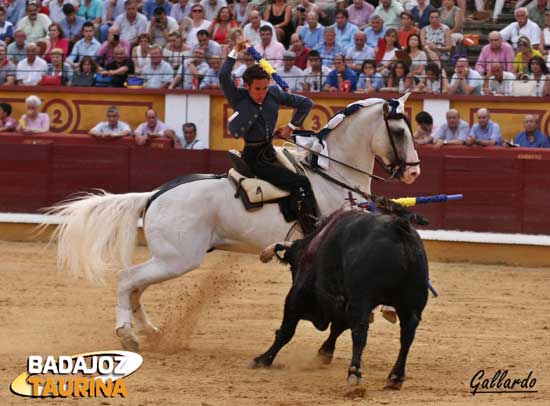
(403, 99)
(386, 108)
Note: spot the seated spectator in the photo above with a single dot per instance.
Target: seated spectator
(15, 10)
(279, 14)
(390, 11)
(301, 52)
(119, 68)
(16, 50)
(190, 137)
(269, 48)
(345, 31)
(150, 7)
(7, 122)
(113, 127)
(191, 71)
(523, 56)
(33, 122)
(359, 13)
(35, 24)
(545, 36)
(87, 46)
(424, 132)
(56, 40)
(486, 132)
(251, 30)
(152, 128)
(210, 48)
(385, 51)
(537, 9)
(243, 63)
(111, 10)
(181, 9)
(131, 24)
(522, 27)
(71, 24)
(291, 74)
(210, 80)
(435, 81)
(175, 50)
(198, 23)
(421, 13)
(436, 37)
(342, 78)
(7, 69)
(359, 53)
(87, 68)
(376, 31)
(310, 6)
(369, 80)
(399, 79)
(497, 8)
(538, 72)
(329, 49)
(498, 82)
(312, 33)
(91, 10)
(221, 25)
(454, 132)
(57, 68)
(6, 28)
(496, 51)
(140, 53)
(465, 80)
(453, 17)
(158, 73)
(315, 73)
(419, 59)
(31, 69)
(234, 34)
(406, 29)
(160, 27)
(105, 53)
(532, 137)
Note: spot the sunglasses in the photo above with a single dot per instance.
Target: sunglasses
(197, 10)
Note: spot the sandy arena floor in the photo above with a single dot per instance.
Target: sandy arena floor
(216, 319)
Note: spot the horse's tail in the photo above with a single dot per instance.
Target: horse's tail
(97, 232)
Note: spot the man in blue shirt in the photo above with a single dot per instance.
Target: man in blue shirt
(344, 29)
(15, 10)
(312, 32)
(150, 6)
(71, 24)
(336, 78)
(329, 48)
(532, 137)
(87, 46)
(486, 132)
(453, 132)
(375, 31)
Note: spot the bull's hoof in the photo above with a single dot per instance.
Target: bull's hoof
(260, 362)
(354, 376)
(394, 382)
(128, 339)
(325, 356)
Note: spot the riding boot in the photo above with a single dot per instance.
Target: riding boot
(306, 210)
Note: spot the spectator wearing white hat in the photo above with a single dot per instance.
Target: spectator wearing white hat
(292, 74)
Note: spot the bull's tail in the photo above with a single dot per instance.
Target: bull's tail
(97, 232)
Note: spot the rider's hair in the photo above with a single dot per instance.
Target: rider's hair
(253, 73)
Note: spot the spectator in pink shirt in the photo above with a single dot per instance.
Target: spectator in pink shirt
(359, 13)
(496, 51)
(7, 123)
(153, 128)
(33, 122)
(105, 52)
(271, 49)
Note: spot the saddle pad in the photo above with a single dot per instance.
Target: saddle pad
(257, 190)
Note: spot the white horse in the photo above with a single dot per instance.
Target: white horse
(98, 232)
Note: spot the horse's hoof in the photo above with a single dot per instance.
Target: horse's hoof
(325, 356)
(394, 382)
(151, 331)
(259, 362)
(128, 339)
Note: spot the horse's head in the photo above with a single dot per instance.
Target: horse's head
(394, 145)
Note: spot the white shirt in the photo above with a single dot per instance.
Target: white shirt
(512, 32)
(212, 12)
(195, 144)
(157, 37)
(294, 78)
(30, 75)
(144, 129)
(504, 88)
(104, 128)
(130, 31)
(314, 80)
(192, 36)
(254, 35)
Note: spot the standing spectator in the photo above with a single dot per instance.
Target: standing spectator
(465, 80)
(292, 75)
(359, 13)
(406, 29)
(241, 10)
(454, 132)
(87, 46)
(522, 27)
(190, 137)
(523, 57)
(434, 82)
(210, 48)
(7, 69)
(140, 53)
(301, 52)
(337, 78)
(345, 30)
(315, 74)
(57, 68)
(111, 10)
(279, 14)
(91, 10)
(131, 24)
(453, 17)
(7, 122)
(31, 69)
(158, 73)
(360, 52)
(538, 73)
(369, 80)
(211, 8)
(181, 9)
(119, 68)
(198, 23)
(532, 137)
(251, 30)
(56, 40)
(35, 24)
(312, 33)
(33, 122)
(376, 31)
(16, 50)
(424, 132)
(150, 7)
(496, 51)
(498, 82)
(329, 49)
(105, 52)
(71, 24)
(486, 132)
(152, 128)
(85, 76)
(210, 80)
(160, 27)
(6, 28)
(390, 11)
(222, 24)
(176, 50)
(421, 13)
(436, 37)
(269, 48)
(113, 127)
(191, 71)
(15, 10)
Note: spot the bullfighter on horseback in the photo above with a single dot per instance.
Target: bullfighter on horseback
(256, 109)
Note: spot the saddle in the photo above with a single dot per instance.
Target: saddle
(252, 191)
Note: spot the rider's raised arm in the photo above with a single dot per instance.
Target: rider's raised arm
(226, 80)
(302, 105)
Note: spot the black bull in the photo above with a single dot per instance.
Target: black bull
(341, 272)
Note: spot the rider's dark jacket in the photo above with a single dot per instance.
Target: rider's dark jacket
(256, 122)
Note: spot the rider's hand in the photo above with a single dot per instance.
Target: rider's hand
(241, 44)
(283, 132)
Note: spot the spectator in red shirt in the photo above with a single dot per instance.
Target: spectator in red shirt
(302, 53)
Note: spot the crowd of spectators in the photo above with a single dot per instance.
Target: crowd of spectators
(337, 46)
